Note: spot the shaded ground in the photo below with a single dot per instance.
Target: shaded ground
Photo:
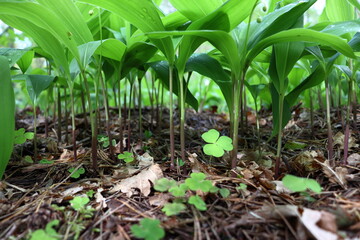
(265, 210)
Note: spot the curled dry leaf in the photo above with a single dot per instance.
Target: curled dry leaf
(306, 161)
(139, 181)
(145, 160)
(100, 198)
(354, 159)
(337, 176)
(339, 140)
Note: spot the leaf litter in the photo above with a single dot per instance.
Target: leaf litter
(258, 205)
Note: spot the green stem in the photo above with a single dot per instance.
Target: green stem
(172, 143)
(279, 140)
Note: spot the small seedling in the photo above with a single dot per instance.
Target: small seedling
(174, 208)
(105, 141)
(164, 184)
(77, 173)
(179, 191)
(224, 192)
(20, 136)
(148, 134)
(242, 186)
(48, 233)
(299, 184)
(180, 162)
(197, 202)
(148, 229)
(197, 182)
(28, 159)
(78, 203)
(45, 161)
(126, 156)
(90, 193)
(216, 145)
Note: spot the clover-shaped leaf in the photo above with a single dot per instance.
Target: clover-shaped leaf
(164, 184)
(20, 136)
(197, 182)
(78, 203)
(299, 184)
(148, 229)
(126, 156)
(242, 186)
(224, 192)
(197, 202)
(216, 145)
(171, 209)
(179, 191)
(77, 173)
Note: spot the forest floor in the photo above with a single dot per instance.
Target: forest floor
(34, 194)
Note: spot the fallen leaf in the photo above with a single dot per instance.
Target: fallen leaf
(139, 181)
(159, 200)
(100, 198)
(339, 140)
(145, 160)
(337, 176)
(354, 159)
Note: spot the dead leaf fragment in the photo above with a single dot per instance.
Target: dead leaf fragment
(339, 140)
(337, 176)
(139, 181)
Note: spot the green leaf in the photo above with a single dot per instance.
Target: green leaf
(299, 184)
(77, 173)
(45, 161)
(194, 10)
(338, 11)
(70, 16)
(197, 182)
(41, 17)
(292, 145)
(25, 61)
(49, 227)
(197, 202)
(7, 116)
(148, 229)
(164, 184)
(171, 209)
(13, 55)
(35, 84)
(225, 143)
(213, 149)
(144, 15)
(242, 186)
(179, 191)
(78, 203)
(211, 136)
(303, 35)
(126, 156)
(224, 192)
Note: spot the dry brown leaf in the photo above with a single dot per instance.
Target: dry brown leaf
(100, 198)
(321, 224)
(334, 175)
(145, 160)
(354, 159)
(339, 140)
(140, 181)
(305, 161)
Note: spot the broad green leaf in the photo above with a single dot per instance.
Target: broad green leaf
(67, 11)
(137, 55)
(164, 184)
(211, 68)
(224, 192)
(299, 184)
(355, 3)
(79, 203)
(12, 54)
(7, 116)
(141, 13)
(35, 84)
(303, 35)
(197, 181)
(279, 20)
(162, 72)
(42, 37)
(195, 10)
(341, 28)
(179, 191)
(338, 11)
(41, 17)
(25, 61)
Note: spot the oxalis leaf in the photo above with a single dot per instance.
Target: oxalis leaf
(216, 145)
(299, 184)
(171, 209)
(198, 202)
(197, 182)
(148, 229)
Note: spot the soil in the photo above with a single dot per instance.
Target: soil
(264, 210)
